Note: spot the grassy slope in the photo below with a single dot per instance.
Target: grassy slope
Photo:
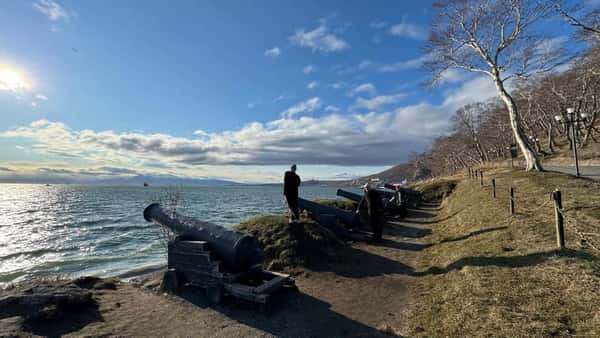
(487, 274)
(288, 245)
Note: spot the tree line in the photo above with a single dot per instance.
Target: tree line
(535, 79)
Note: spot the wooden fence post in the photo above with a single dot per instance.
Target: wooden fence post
(481, 178)
(511, 200)
(493, 188)
(560, 229)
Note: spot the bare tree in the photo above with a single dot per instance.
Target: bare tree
(584, 17)
(496, 38)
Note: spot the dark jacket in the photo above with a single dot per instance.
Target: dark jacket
(291, 182)
(374, 203)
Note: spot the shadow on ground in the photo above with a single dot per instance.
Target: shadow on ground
(471, 234)
(291, 314)
(505, 261)
(405, 231)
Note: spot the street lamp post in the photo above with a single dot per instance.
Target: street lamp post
(570, 123)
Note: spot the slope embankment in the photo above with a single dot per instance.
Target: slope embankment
(486, 272)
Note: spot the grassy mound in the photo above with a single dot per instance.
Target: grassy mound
(338, 203)
(287, 245)
(486, 272)
(436, 189)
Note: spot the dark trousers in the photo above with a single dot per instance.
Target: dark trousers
(292, 202)
(376, 223)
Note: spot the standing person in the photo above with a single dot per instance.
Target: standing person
(375, 211)
(291, 182)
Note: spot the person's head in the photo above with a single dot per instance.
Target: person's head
(293, 168)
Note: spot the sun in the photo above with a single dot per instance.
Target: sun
(12, 80)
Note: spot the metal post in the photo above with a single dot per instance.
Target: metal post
(571, 120)
(560, 230)
(493, 188)
(575, 149)
(511, 200)
(481, 178)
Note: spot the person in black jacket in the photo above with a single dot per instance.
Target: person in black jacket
(375, 211)
(291, 182)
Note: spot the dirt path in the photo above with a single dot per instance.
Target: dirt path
(364, 294)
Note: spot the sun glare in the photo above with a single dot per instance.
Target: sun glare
(12, 80)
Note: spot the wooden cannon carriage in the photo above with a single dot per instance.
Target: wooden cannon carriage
(222, 262)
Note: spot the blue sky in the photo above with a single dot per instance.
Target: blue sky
(221, 89)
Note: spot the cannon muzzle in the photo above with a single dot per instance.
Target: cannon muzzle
(237, 250)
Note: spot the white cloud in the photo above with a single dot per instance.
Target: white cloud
(332, 109)
(282, 97)
(404, 65)
(334, 139)
(273, 52)
(41, 97)
(337, 85)
(409, 30)
(368, 88)
(452, 76)
(320, 39)
(307, 106)
(33, 104)
(377, 101)
(52, 10)
(363, 65)
(312, 85)
(309, 69)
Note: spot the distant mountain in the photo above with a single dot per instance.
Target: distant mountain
(137, 180)
(395, 174)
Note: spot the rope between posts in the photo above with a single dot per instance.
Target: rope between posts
(580, 234)
(536, 208)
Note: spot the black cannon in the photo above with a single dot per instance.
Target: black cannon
(392, 201)
(329, 216)
(240, 251)
(349, 195)
(221, 261)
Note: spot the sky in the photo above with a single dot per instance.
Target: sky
(235, 90)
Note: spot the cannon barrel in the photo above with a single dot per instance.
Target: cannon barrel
(346, 217)
(349, 195)
(239, 251)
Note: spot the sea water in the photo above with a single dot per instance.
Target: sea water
(69, 230)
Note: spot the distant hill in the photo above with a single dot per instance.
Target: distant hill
(165, 180)
(396, 174)
(137, 180)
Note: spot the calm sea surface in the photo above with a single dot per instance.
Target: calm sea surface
(92, 230)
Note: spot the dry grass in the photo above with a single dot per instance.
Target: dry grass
(489, 274)
(289, 245)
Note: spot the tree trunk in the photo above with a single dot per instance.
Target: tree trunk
(532, 162)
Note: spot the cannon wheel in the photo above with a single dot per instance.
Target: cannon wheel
(214, 294)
